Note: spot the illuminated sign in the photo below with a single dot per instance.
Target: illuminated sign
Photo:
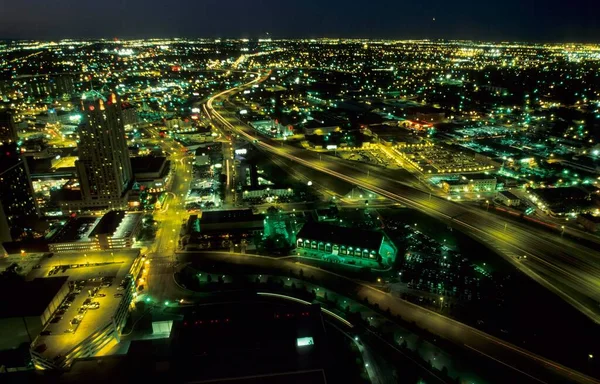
(242, 151)
(304, 341)
(332, 147)
(243, 112)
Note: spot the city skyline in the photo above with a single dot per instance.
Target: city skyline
(168, 202)
(501, 21)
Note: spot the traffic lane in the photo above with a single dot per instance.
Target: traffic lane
(426, 205)
(461, 334)
(448, 209)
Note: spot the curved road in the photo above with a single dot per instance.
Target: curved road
(568, 269)
(532, 366)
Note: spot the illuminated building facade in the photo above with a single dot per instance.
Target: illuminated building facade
(346, 245)
(104, 168)
(16, 193)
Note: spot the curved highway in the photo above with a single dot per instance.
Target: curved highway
(568, 269)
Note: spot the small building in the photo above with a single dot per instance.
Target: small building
(114, 230)
(320, 127)
(221, 229)
(508, 198)
(152, 173)
(272, 192)
(475, 182)
(61, 342)
(346, 245)
(228, 220)
(589, 222)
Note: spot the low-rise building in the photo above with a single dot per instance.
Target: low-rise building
(260, 192)
(476, 182)
(222, 229)
(80, 332)
(346, 245)
(508, 198)
(114, 230)
(153, 174)
(320, 127)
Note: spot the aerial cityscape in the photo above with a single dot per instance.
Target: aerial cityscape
(299, 210)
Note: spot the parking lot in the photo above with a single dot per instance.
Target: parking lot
(98, 283)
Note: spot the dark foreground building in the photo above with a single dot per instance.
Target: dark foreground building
(254, 342)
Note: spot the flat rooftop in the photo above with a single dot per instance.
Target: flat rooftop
(509, 195)
(86, 269)
(76, 229)
(144, 164)
(229, 216)
(108, 224)
(117, 224)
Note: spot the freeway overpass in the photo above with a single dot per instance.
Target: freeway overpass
(568, 269)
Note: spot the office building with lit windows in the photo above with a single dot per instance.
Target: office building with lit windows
(103, 168)
(16, 194)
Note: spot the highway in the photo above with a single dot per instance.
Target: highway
(566, 268)
(534, 368)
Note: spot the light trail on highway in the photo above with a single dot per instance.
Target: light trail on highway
(568, 269)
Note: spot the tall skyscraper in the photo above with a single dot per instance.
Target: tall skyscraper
(104, 168)
(8, 129)
(16, 193)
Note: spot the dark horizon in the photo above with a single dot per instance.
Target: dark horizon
(512, 20)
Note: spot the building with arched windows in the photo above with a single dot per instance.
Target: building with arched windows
(346, 245)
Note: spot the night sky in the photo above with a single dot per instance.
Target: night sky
(514, 20)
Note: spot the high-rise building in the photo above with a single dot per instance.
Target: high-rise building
(8, 128)
(16, 193)
(104, 168)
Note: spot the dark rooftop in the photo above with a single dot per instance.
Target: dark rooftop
(108, 223)
(29, 298)
(353, 237)
(229, 216)
(143, 164)
(557, 195)
(73, 230)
